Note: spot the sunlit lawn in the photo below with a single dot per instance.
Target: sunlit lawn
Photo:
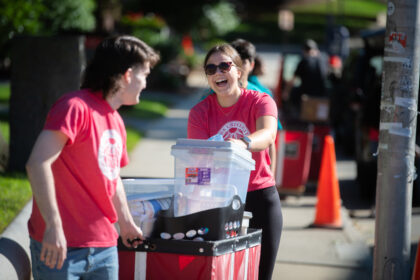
(4, 130)
(146, 109)
(15, 192)
(4, 93)
(353, 8)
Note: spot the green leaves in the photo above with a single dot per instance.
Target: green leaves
(44, 17)
(222, 17)
(67, 15)
(20, 17)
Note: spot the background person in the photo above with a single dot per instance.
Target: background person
(249, 119)
(74, 168)
(258, 70)
(312, 71)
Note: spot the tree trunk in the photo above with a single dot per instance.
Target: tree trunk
(43, 69)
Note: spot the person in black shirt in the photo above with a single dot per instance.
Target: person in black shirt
(312, 71)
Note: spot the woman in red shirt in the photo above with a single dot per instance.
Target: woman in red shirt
(249, 119)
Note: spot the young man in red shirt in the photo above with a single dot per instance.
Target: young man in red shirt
(74, 168)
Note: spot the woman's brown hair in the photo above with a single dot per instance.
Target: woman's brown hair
(227, 50)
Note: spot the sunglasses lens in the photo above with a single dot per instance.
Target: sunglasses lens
(210, 69)
(224, 66)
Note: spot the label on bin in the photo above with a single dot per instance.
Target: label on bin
(197, 176)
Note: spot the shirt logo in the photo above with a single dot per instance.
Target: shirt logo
(234, 129)
(109, 154)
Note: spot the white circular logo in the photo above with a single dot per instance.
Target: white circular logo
(109, 154)
(234, 129)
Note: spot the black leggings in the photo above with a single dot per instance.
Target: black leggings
(266, 215)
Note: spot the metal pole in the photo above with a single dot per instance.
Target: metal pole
(400, 83)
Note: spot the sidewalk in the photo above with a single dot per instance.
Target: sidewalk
(315, 253)
(304, 253)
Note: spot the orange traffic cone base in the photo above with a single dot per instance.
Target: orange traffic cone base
(329, 226)
(328, 207)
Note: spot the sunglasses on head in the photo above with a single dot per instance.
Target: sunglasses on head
(224, 67)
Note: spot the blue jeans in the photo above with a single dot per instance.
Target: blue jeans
(81, 263)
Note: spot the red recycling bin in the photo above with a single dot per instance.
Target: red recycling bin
(234, 258)
(293, 160)
(320, 131)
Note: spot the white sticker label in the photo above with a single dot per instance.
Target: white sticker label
(409, 103)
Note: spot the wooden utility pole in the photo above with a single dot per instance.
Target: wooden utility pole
(400, 83)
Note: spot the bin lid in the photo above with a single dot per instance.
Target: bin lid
(147, 189)
(186, 144)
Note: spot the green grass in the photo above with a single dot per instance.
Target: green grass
(133, 138)
(353, 8)
(15, 192)
(146, 109)
(4, 93)
(4, 130)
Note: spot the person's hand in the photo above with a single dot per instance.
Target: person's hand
(54, 247)
(238, 142)
(131, 235)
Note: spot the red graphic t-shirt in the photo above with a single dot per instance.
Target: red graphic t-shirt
(86, 172)
(208, 118)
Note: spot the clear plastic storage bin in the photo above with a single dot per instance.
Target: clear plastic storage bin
(208, 174)
(145, 198)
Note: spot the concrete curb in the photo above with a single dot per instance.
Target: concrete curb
(15, 261)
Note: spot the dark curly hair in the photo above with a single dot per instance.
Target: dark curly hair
(112, 59)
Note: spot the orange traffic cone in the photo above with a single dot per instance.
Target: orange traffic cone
(416, 269)
(328, 206)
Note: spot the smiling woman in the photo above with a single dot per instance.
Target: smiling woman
(223, 69)
(248, 119)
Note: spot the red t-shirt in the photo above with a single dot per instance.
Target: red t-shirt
(208, 118)
(86, 172)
